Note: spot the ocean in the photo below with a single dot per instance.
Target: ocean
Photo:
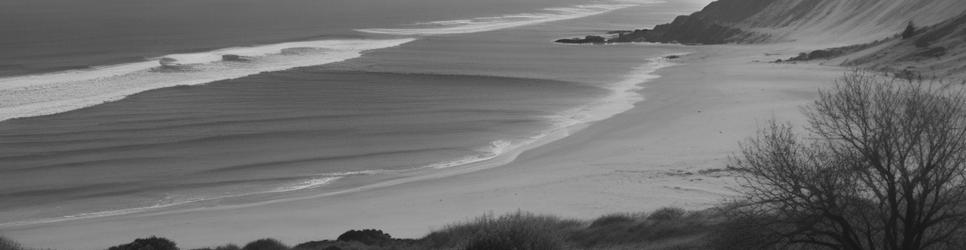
(330, 97)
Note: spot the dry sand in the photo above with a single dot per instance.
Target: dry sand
(646, 158)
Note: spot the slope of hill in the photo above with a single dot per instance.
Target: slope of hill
(837, 22)
(939, 50)
(830, 22)
(848, 26)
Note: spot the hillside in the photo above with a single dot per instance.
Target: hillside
(829, 22)
(836, 22)
(860, 33)
(933, 51)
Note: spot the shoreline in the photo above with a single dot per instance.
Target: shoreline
(648, 157)
(64, 91)
(625, 95)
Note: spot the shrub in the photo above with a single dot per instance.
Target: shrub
(910, 31)
(223, 247)
(667, 213)
(661, 229)
(333, 245)
(265, 244)
(739, 231)
(612, 219)
(515, 236)
(6, 244)
(513, 231)
(153, 243)
(936, 52)
(366, 236)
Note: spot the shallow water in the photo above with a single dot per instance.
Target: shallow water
(390, 106)
(48, 35)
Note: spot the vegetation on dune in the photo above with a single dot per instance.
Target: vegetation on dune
(222, 247)
(367, 236)
(265, 244)
(6, 244)
(152, 243)
(667, 228)
(513, 231)
(910, 31)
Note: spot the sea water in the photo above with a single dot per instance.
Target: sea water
(392, 91)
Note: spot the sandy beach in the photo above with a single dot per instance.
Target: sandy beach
(664, 152)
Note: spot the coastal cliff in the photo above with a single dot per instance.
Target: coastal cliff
(719, 22)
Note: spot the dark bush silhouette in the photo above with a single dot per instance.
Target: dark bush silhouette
(667, 228)
(516, 231)
(153, 243)
(883, 166)
(936, 52)
(366, 236)
(6, 244)
(333, 245)
(667, 213)
(910, 31)
(740, 231)
(684, 230)
(515, 237)
(613, 219)
(265, 244)
(223, 247)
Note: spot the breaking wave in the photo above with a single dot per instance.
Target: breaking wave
(623, 96)
(482, 24)
(51, 93)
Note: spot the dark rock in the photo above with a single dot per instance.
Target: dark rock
(585, 40)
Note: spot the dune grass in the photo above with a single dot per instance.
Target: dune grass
(7, 244)
(663, 229)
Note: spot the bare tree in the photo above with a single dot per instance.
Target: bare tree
(882, 165)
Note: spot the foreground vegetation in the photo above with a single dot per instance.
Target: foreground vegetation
(668, 228)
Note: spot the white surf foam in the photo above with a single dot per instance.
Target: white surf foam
(44, 94)
(625, 94)
(495, 149)
(173, 202)
(482, 24)
(308, 184)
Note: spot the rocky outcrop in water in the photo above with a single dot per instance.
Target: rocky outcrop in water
(587, 39)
